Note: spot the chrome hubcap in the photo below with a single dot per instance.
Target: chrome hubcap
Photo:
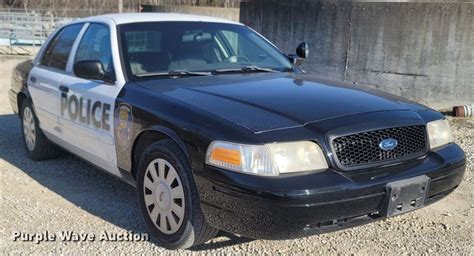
(29, 130)
(164, 196)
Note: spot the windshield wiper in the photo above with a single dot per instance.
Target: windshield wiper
(245, 69)
(175, 73)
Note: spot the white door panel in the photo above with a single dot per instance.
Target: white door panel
(87, 109)
(49, 69)
(43, 86)
(86, 118)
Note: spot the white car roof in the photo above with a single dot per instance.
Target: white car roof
(124, 18)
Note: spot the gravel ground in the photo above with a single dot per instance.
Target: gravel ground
(67, 194)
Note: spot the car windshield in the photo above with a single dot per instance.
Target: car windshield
(196, 48)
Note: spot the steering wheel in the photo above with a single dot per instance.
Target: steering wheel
(236, 58)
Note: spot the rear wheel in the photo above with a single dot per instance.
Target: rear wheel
(168, 198)
(38, 147)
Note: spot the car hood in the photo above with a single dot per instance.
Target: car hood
(262, 102)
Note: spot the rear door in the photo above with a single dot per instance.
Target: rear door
(88, 106)
(44, 78)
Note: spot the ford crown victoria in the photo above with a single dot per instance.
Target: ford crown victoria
(220, 130)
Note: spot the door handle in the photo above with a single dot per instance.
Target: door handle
(33, 79)
(64, 88)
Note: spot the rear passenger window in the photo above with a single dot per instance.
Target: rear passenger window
(95, 45)
(57, 53)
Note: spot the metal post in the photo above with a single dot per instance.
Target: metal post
(120, 6)
(33, 27)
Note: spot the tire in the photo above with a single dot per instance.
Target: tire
(37, 146)
(163, 172)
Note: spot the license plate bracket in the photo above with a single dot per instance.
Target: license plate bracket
(405, 195)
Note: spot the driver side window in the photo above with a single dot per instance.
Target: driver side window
(95, 45)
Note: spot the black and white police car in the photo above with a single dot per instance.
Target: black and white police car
(220, 130)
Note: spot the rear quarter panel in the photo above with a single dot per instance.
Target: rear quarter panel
(19, 86)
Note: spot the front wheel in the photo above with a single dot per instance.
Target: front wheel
(168, 198)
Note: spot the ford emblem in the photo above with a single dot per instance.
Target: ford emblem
(388, 144)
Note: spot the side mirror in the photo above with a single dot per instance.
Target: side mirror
(92, 70)
(303, 50)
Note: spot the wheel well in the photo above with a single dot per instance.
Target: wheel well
(144, 140)
(20, 98)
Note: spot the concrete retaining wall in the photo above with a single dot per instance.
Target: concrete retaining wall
(226, 13)
(421, 51)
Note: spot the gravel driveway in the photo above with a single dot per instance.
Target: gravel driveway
(69, 195)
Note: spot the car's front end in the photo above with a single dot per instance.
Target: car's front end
(335, 174)
(276, 153)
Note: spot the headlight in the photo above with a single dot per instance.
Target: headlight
(268, 159)
(439, 133)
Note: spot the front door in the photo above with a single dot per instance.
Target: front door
(86, 109)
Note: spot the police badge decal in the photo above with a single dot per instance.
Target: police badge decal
(123, 125)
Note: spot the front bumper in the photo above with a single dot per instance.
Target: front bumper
(290, 206)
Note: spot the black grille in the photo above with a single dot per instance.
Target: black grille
(363, 149)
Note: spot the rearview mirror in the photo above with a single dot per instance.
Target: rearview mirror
(303, 50)
(92, 70)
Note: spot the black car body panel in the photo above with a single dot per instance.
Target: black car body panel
(154, 111)
(199, 110)
(264, 102)
(18, 84)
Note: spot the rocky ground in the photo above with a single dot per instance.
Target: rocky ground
(66, 194)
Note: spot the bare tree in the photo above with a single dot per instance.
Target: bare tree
(80, 8)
